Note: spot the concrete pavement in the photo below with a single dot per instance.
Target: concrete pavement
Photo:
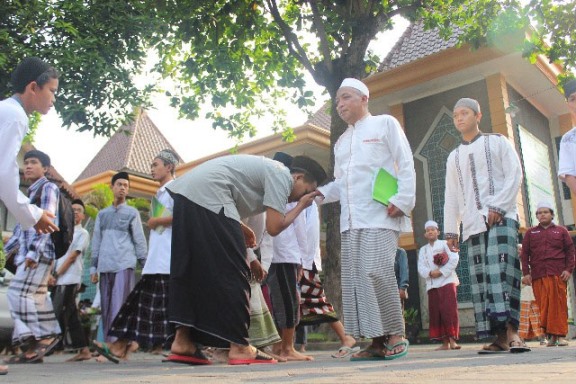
(422, 365)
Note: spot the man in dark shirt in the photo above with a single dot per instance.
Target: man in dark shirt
(547, 263)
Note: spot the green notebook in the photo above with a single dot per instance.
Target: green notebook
(385, 186)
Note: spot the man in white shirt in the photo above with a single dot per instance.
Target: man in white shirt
(567, 155)
(370, 230)
(34, 83)
(483, 177)
(68, 279)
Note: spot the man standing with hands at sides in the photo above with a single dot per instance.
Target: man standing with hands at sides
(567, 154)
(117, 243)
(370, 230)
(547, 263)
(34, 83)
(483, 177)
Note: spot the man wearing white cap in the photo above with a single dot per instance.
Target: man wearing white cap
(370, 230)
(437, 265)
(547, 263)
(567, 154)
(483, 177)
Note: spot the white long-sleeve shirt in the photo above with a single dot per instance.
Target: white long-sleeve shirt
(312, 255)
(482, 175)
(567, 155)
(426, 265)
(372, 143)
(290, 244)
(263, 240)
(13, 127)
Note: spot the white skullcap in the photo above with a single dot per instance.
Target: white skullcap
(469, 103)
(356, 84)
(545, 204)
(431, 223)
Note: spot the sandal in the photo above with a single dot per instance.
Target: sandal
(493, 348)
(43, 349)
(397, 355)
(345, 351)
(518, 346)
(103, 350)
(370, 354)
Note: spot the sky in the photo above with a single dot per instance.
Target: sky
(71, 151)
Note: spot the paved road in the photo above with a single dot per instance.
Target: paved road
(423, 365)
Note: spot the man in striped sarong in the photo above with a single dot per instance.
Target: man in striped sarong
(370, 229)
(483, 177)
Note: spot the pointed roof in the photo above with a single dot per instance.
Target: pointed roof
(130, 149)
(321, 118)
(416, 43)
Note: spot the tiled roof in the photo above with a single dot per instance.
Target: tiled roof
(130, 149)
(416, 43)
(321, 118)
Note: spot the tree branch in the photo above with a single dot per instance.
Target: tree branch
(293, 44)
(319, 25)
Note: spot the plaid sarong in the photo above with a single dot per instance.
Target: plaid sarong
(495, 278)
(144, 316)
(314, 307)
(30, 305)
(529, 320)
(262, 331)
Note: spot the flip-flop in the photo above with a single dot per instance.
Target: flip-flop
(103, 350)
(372, 355)
(3, 370)
(562, 343)
(261, 358)
(43, 349)
(22, 359)
(519, 348)
(496, 349)
(197, 358)
(78, 358)
(456, 347)
(404, 352)
(345, 351)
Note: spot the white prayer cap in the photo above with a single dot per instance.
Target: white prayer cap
(356, 84)
(431, 223)
(545, 204)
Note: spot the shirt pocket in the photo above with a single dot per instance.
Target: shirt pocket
(122, 222)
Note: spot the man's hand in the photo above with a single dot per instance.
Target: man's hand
(394, 211)
(51, 281)
(29, 263)
(308, 198)
(494, 218)
(45, 224)
(152, 223)
(565, 275)
(257, 271)
(435, 273)
(453, 245)
(249, 236)
(527, 280)
(403, 293)
(94, 278)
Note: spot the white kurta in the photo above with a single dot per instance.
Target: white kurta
(484, 174)
(372, 143)
(567, 155)
(290, 244)
(312, 255)
(13, 127)
(426, 265)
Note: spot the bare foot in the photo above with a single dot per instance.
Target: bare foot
(277, 357)
(394, 340)
(443, 348)
(348, 341)
(83, 355)
(293, 355)
(129, 348)
(243, 352)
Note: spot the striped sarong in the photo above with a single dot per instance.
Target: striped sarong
(551, 295)
(114, 289)
(262, 331)
(284, 294)
(370, 300)
(144, 316)
(314, 307)
(30, 305)
(495, 278)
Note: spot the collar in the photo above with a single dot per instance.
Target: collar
(35, 185)
(542, 227)
(362, 119)
(78, 226)
(464, 142)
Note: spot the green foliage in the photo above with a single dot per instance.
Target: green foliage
(33, 122)
(411, 316)
(139, 203)
(99, 197)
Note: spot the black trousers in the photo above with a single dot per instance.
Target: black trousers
(66, 311)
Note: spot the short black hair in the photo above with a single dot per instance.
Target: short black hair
(78, 202)
(120, 175)
(36, 154)
(32, 69)
(312, 170)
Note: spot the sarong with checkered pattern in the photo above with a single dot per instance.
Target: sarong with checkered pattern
(495, 278)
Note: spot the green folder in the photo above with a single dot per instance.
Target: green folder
(385, 186)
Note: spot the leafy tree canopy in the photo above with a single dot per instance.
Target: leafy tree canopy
(239, 56)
